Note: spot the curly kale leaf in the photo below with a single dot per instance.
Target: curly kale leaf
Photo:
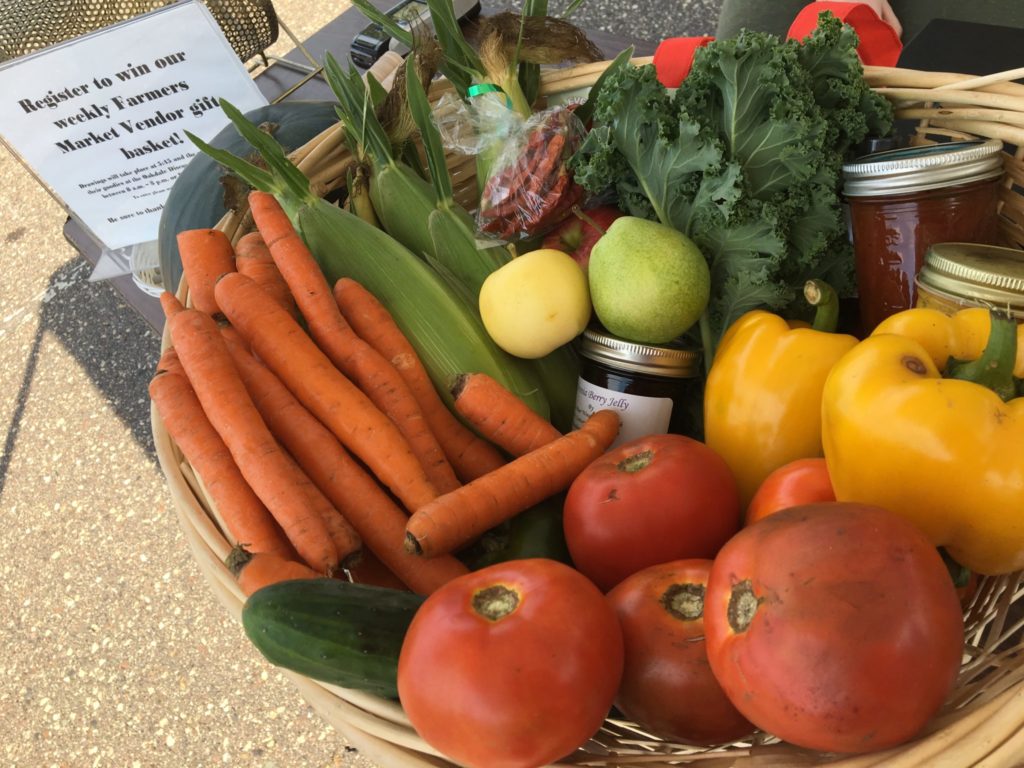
(745, 158)
(643, 148)
(752, 94)
(852, 109)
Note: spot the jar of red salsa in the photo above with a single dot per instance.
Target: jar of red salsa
(904, 200)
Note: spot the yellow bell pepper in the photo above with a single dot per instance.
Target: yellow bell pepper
(946, 453)
(762, 399)
(961, 336)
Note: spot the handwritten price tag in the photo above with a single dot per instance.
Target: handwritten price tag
(101, 119)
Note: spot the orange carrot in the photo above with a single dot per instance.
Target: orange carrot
(379, 521)
(347, 542)
(278, 340)
(169, 304)
(169, 362)
(255, 570)
(456, 518)
(246, 517)
(206, 254)
(353, 357)
(469, 455)
(269, 471)
(499, 416)
(253, 259)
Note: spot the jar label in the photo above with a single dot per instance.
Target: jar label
(641, 416)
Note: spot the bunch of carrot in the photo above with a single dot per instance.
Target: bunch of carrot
(317, 432)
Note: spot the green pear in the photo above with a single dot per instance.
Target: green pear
(648, 282)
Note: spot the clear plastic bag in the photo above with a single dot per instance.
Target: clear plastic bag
(526, 186)
(530, 188)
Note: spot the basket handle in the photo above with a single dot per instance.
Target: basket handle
(386, 67)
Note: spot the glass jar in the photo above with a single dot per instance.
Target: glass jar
(655, 389)
(956, 276)
(902, 201)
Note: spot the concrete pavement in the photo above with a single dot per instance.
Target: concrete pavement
(113, 651)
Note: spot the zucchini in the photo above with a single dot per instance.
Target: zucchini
(197, 196)
(332, 630)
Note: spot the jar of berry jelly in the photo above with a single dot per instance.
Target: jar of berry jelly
(655, 389)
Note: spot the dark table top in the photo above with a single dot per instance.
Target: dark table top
(278, 79)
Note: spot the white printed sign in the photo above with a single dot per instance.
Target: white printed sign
(101, 119)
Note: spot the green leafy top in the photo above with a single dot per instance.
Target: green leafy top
(356, 109)
(461, 63)
(745, 158)
(280, 178)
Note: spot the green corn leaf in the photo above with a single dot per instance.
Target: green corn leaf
(281, 178)
(461, 62)
(585, 111)
(390, 26)
(377, 91)
(252, 175)
(356, 111)
(571, 8)
(419, 107)
(529, 74)
(270, 150)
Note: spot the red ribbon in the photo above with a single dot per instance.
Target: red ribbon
(879, 43)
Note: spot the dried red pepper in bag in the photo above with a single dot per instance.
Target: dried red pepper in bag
(530, 187)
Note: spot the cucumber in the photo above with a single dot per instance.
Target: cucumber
(333, 631)
(196, 198)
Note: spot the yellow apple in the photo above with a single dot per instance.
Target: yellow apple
(535, 303)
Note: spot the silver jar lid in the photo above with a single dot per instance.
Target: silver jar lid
(921, 168)
(671, 360)
(984, 274)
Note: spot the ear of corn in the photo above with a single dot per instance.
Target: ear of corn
(402, 199)
(444, 329)
(457, 249)
(446, 332)
(403, 202)
(451, 228)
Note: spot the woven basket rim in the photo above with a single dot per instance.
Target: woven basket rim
(988, 726)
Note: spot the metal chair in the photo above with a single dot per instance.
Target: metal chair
(250, 26)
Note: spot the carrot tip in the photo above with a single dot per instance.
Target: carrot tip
(412, 545)
(237, 559)
(458, 384)
(351, 560)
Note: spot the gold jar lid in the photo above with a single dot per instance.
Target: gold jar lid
(985, 274)
(671, 360)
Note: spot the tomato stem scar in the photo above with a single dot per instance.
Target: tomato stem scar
(635, 462)
(743, 605)
(684, 601)
(495, 603)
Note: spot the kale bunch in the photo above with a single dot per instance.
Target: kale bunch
(745, 158)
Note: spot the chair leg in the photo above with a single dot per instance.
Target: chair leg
(298, 44)
(311, 70)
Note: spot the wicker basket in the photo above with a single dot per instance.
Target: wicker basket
(982, 724)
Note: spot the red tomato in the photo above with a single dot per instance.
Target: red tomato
(835, 627)
(804, 481)
(512, 666)
(667, 686)
(648, 501)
